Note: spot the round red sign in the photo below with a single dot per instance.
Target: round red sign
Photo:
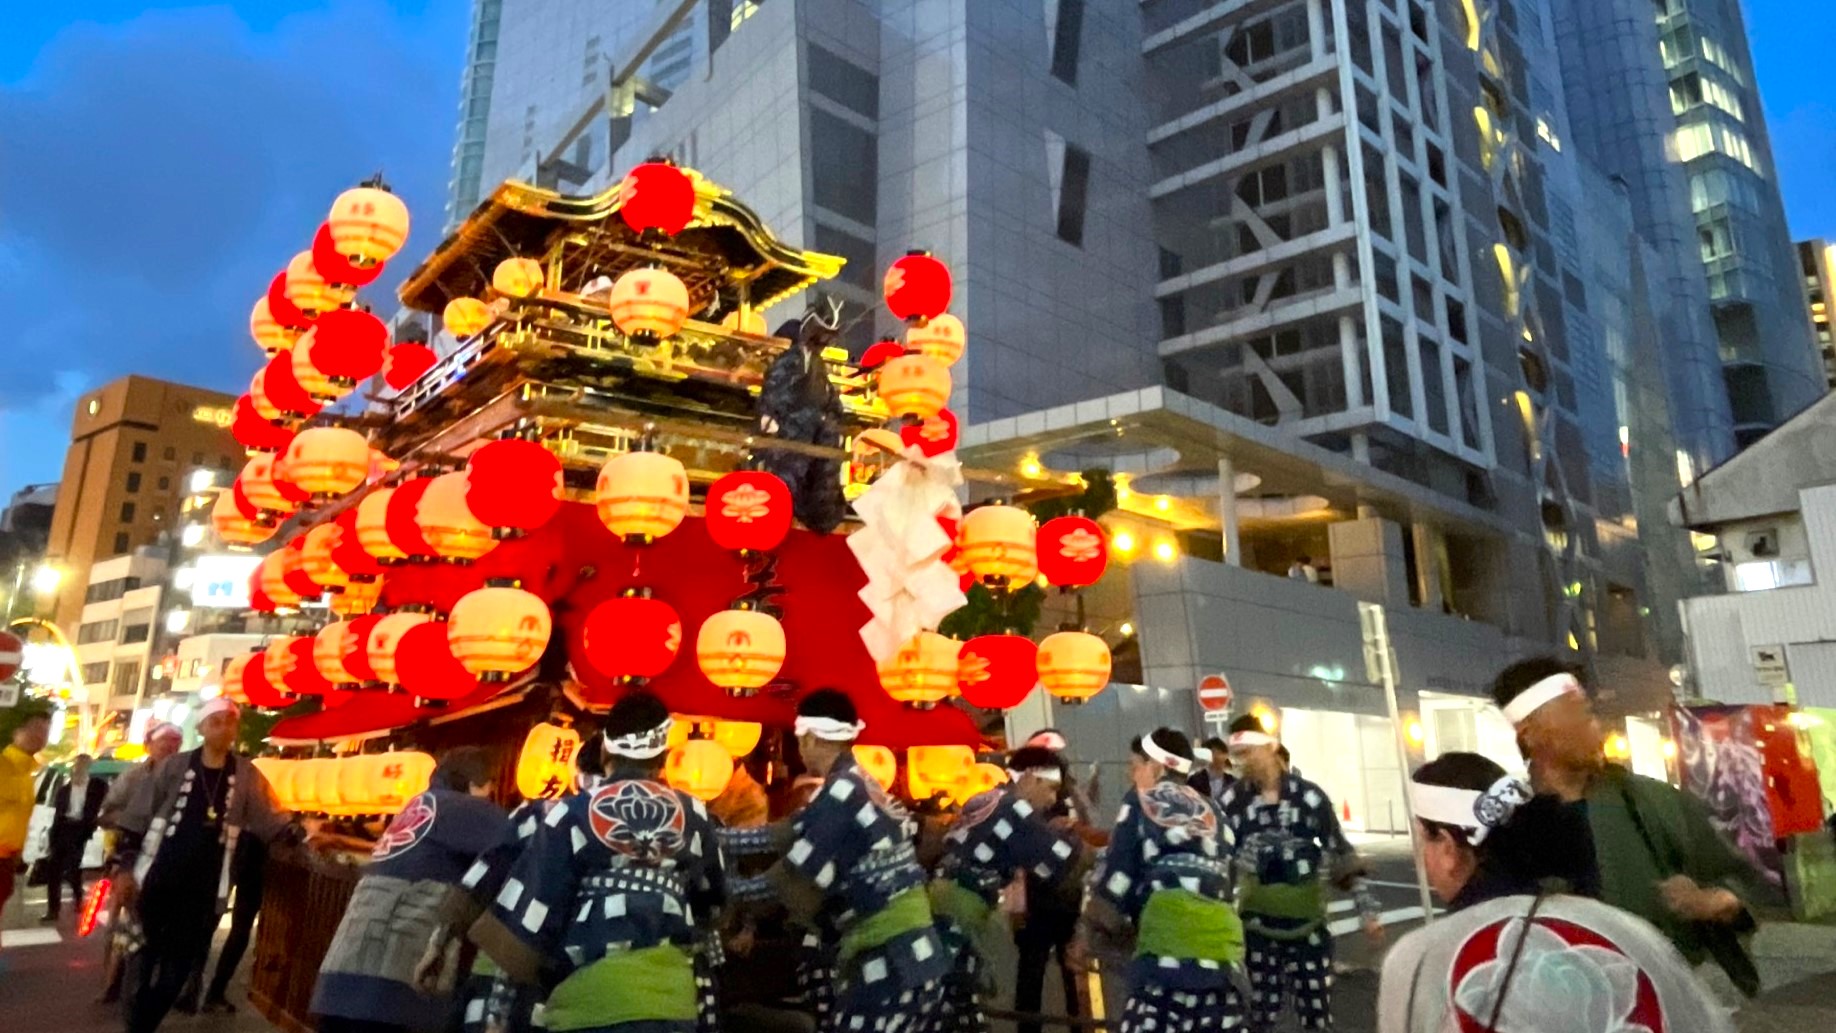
(1214, 692)
(12, 654)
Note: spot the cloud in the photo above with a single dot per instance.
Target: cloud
(158, 172)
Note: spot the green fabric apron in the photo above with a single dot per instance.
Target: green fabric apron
(1301, 902)
(1177, 923)
(908, 912)
(651, 984)
(974, 917)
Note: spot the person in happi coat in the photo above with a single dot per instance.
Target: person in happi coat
(608, 904)
(1289, 848)
(163, 739)
(1050, 921)
(1522, 951)
(1164, 882)
(849, 861)
(1660, 858)
(177, 839)
(998, 833)
(367, 982)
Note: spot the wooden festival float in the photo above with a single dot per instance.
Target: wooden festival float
(615, 465)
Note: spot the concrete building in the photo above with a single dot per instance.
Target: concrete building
(1772, 514)
(131, 443)
(122, 600)
(1668, 104)
(1309, 278)
(1817, 261)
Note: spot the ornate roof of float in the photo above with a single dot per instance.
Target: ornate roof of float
(726, 254)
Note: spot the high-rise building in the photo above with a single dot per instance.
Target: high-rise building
(1663, 97)
(1817, 261)
(132, 443)
(1310, 278)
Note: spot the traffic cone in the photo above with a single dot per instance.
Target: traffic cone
(1345, 808)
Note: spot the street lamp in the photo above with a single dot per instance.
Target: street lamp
(46, 578)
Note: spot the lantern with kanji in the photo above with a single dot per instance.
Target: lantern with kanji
(740, 650)
(934, 436)
(914, 385)
(999, 544)
(336, 268)
(700, 768)
(879, 762)
(749, 511)
(267, 331)
(425, 663)
(513, 485)
(932, 771)
(943, 339)
(922, 673)
(517, 277)
(545, 765)
(237, 529)
(329, 648)
(309, 291)
(631, 636)
(385, 638)
(368, 224)
(1073, 550)
(373, 527)
(649, 304)
(917, 287)
(996, 672)
(327, 461)
(448, 525)
(257, 689)
(464, 317)
(656, 196)
(261, 489)
(1073, 665)
(641, 496)
(496, 632)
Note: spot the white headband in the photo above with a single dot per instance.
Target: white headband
(829, 729)
(218, 705)
(1201, 755)
(1042, 774)
(1478, 812)
(641, 745)
(1049, 740)
(1246, 739)
(1171, 761)
(1533, 698)
(160, 728)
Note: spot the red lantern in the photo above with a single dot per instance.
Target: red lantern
(253, 431)
(933, 436)
(282, 308)
(997, 671)
(256, 687)
(259, 486)
(406, 363)
(349, 553)
(292, 563)
(631, 636)
(426, 665)
(656, 196)
(348, 345)
(335, 267)
(284, 390)
(288, 663)
(513, 483)
(385, 638)
(404, 530)
(749, 511)
(356, 645)
(917, 287)
(1073, 551)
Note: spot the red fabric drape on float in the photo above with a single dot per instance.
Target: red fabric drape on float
(573, 563)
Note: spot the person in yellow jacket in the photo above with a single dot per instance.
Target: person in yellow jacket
(18, 763)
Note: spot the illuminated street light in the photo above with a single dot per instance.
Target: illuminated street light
(46, 578)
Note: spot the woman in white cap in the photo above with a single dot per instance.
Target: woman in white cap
(1522, 952)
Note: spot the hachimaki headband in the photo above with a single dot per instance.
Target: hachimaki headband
(1477, 812)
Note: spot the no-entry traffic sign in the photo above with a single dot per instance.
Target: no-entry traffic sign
(12, 654)
(1214, 693)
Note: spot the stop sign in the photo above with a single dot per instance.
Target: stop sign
(1214, 693)
(12, 654)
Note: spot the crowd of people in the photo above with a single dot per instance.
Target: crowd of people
(1584, 899)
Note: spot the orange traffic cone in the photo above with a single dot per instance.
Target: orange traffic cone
(1346, 809)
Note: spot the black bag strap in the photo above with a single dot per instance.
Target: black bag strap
(1517, 954)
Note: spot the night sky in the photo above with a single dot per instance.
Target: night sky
(159, 162)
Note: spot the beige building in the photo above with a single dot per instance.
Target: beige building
(132, 444)
(1818, 261)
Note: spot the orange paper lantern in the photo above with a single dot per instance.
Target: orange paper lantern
(464, 317)
(1000, 543)
(373, 526)
(641, 495)
(1073, 665)
(259, 487)
(309, 291)
(878, 762)
(384, 638)
(327, 461)
(320, 386)
(738, 738)
(235, 529)
(740, 650)
(267, 331)
(231, 682)
(938, 771)
(914, 385)
(518, 277)
(447, 523)
(358, 597)
(649, 304)
(700, 768)
(545, 765)
(328, 649)
(368, 225)
(922, 673)
(497, 632)
(316, 556)
(943, 339)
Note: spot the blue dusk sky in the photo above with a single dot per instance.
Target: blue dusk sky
(159, 162)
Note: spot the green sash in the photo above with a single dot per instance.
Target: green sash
(908, 912)
(1178, 923)
(1304, 900)
(651, 984)
(971, 914)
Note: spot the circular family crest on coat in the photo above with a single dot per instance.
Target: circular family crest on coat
(406, 828)
(1563, 968)
(642, 820)
(1174, 806)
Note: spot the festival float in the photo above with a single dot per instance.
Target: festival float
(615, 477)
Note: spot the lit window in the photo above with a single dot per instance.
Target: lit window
(1756, 577)
(742, 11)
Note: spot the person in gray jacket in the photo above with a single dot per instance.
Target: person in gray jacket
(177, 837)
